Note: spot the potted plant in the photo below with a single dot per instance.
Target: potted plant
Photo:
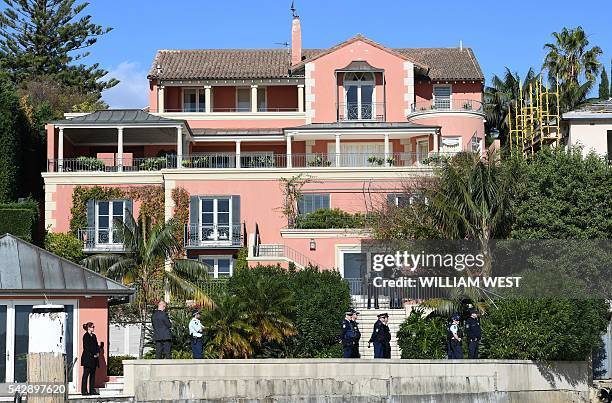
(89, 164)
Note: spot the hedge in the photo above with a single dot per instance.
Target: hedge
(330, 218)
(20, 219)
(115, 364)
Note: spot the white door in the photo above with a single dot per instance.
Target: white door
(14, 338)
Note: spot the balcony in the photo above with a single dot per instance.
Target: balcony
(258, 160)
(213, 236)
(355, 111)
(100, 240)
(447, 105)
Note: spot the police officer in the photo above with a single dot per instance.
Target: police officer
(347, 335)
(356, 335)
(195, 331)
(381, 336)
(453, 338)
(473, 332)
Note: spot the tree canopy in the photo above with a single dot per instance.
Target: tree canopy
(50, 38)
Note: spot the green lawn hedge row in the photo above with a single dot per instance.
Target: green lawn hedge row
(20, 219)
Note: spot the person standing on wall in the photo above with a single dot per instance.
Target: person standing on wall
(162, 331)
(473, 332)
(89, 359)
(195, 331)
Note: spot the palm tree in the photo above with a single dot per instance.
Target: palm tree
(500, 98)
(472, 201)
(146, 247)
(269, 306)
(229, 328)
(568, 60)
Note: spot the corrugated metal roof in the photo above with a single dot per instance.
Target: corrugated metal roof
(26, 269)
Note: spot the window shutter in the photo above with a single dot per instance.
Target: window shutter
(129, 206)
(324, 199)
(300, 205)
(391, 199)
(236, 209)
(194, 210)
(91, 218)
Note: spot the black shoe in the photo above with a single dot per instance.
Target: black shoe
(84, 394)
(94, 393)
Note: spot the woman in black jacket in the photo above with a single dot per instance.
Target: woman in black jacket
(89, 359)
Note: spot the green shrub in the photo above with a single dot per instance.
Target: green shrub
(330, 218)
(544, 329)
(20, 219)
(89, 164)
(66, 245)
(114, 366)
(421, 337)
(153, 164)
(12, 129)
(321, 298)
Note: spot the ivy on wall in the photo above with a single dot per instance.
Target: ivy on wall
(181, 213)
(151, 199)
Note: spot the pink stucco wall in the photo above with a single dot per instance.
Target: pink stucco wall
(423, 90)
(464, 125)
(325, 80)
(247, 124)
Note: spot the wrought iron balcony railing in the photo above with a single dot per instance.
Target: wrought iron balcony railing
(448, 105)
(214, 235)
(361, 111)
(100, 240)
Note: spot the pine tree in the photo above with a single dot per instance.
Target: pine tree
(48, 38)
(604, 85)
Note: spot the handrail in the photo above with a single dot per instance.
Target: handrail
(284, 251)
(448, 105)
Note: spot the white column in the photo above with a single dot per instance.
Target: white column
(435, 143)
(179, 147)
(207, 98)
(60, 150)
(337, 149)
(300, 97)
(387, 151)
(253, 98)
(160, 98)
(120, 149)
(289, 159)
(237, 153)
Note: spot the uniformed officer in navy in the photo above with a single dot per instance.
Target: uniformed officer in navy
(347, 335)
(356, 334)
(453, 338)
(473, 332)
(381, 337)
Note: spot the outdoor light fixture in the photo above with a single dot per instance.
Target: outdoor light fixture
(313, 244)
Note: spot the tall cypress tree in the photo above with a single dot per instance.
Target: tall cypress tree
(11, 130)
(47, 38)
(604, 85)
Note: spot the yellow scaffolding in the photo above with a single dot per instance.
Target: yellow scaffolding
(533, 120)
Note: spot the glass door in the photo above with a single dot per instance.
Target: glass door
(216, 219)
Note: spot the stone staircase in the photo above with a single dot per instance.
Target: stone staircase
(367, 318)
(114, 387)
(112, 392)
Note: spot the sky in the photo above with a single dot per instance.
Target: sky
(502, 33)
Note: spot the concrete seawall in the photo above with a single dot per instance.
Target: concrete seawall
(337, 380)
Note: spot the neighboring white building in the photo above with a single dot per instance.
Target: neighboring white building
(590, 127)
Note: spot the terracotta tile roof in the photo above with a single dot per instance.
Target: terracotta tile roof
(220, 64)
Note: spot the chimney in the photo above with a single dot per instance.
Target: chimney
(296, 41)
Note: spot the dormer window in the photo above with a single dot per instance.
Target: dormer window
(359, 96)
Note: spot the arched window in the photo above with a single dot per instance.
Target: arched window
(359, 95)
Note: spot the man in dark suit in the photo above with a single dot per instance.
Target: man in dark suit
(162, 331)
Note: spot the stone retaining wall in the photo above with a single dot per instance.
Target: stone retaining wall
(337, 380)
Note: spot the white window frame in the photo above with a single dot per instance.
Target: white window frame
(10, 335)
(111, 240)
(433, 96)
(216, 259)
(197, 103)
(419, 157)
(352, 83)
(410, 198)
(215, 234)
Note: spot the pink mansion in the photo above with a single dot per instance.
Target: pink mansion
(357, 119)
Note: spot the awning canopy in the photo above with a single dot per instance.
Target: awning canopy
(26, 269)
(359, 66)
